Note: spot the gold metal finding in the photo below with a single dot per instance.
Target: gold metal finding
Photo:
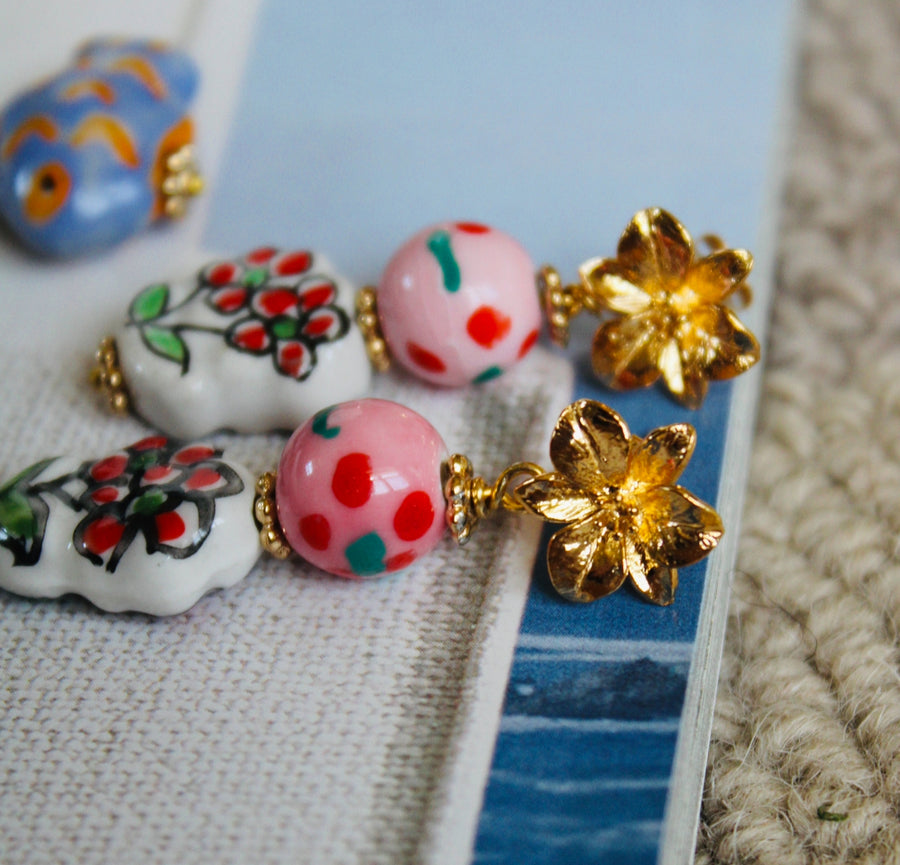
(715, 244)
(470, 498)
(181, 181)
(370, 328)
(106, 376)
(665, 310)
(270, 535)
(560, 303)
(624, 516)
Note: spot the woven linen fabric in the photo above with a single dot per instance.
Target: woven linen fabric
(804, 765)
(295, 717)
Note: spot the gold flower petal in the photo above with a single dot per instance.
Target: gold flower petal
(585, 561)
(715, 277)
(672, 369)
(611, 286)
(657, 583)
(655, 250)
(552, 497)
(694, 386)
(676, 528)
(625, 351)
(715, 345)
(738, 351)
(660, 458)
(590, 445)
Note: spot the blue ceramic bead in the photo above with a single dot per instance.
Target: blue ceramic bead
(100, 151)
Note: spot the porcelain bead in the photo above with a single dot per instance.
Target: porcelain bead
(457, 303)
(101, 150)
(151, 527)
(251, 344)
(359, 492)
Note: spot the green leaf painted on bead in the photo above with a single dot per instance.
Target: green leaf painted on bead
(320, 424)
(366, 555)
(17, 519)
(26, 474)
(255, 277)
(488, 374)
(143, 460)
(151, 303)
(149, 503)
(166, 343)
(438, 244)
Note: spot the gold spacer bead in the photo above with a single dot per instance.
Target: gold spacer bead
(470, 498)
(271, 536)
(106, 376)
(559, 304)
(180, 182)
(370, 328)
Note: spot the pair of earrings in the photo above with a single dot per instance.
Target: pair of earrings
(263, 342)
(365, 487)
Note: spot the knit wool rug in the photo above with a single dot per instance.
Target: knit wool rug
(804, 765)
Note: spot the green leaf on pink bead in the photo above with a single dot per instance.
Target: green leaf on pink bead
(439, 246)
(320, 424)
(490, 373)
(366, 555)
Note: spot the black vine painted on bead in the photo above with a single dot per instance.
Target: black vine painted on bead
(158, 488)
(275, 304)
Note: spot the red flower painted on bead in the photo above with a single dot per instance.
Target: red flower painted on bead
(276, 305)
(285, 311)
(156, 487)
(159, 488)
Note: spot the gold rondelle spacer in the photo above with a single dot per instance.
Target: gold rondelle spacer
(560, 303)
(271, 537)
(106, 376)
(370, 328)
(181, 181)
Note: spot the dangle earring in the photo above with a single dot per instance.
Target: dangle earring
(364, 488)
(669, 313)
(263, 341)
(101, 150)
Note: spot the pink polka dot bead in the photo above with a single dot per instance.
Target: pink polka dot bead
(359, 488)
(457, 303)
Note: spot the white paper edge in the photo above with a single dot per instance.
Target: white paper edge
(453, 824)
(682, 815)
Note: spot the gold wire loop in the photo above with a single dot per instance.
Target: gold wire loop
(270, 535)
(470, 498)
(106, 376)
(370, 328)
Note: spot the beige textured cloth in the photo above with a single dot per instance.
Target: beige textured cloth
(808, 716)
(295, 717)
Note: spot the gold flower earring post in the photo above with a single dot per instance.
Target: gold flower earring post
(624, 516)
(664, 310)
